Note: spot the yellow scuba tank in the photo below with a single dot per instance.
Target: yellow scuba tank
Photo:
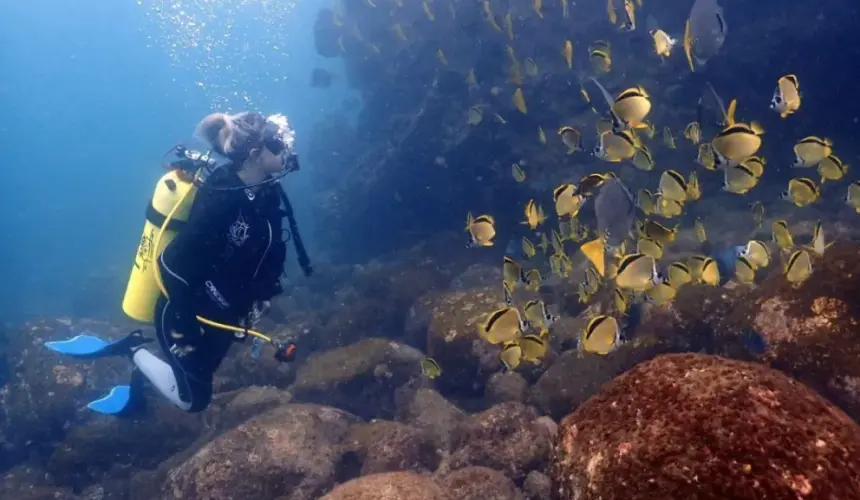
(142, 291)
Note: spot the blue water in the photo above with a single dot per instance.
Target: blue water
(92, 93)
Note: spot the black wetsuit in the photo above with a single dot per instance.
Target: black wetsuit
(228, 255)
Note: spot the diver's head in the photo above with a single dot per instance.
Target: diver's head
(257, 146)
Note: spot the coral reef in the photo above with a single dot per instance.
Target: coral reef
(388, 486)
(695, 426)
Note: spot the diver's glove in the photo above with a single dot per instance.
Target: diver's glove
(183, 343)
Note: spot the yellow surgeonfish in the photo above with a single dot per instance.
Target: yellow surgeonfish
(786, 97)
(663, 43)
(646, 201)
(519, 101)
(738, 179)
(781, 235)
(511, 355)
(636, 272)
(601, 60)
(818, 245)
(693, 132)
(533, 280)
(440, 56)
(662, 294)
(518, 172)
(757, 253)
(610, 12)
(512, 273)
(533, 215)
(430, 368)
(620, 301)
(571, 138)
(533, 347)
(567, 202)
(427, 11)
(802, 191)
(537, 315)
(632, 106)
(601, 335)
(595, 252)
(701, 234)
(491, 19)
(853, 196)
(503, 325)
(694, 190)
(649, 247)
(705, 157)
(629, 23)
(659, 232)
(642, 159)
(669, 208)
(567, 52)
(798, 267)
(744, 271)
(679, 275)
(591, 182)
(696, 264)
(710, 272)
(673, 185)
(737, 142)
(541, 135)
(832, 169)
(668, 138)
(755, 164)
(509, 26)
(528, 248)
(811, 150)
(616, 146)
(483, 230)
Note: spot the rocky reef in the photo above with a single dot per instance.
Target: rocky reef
(694, 426)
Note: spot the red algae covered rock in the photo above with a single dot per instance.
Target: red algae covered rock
(507, 438)
(388, 486)
(811, 331)
(690, 426)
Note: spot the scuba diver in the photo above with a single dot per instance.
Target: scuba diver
(220, 228)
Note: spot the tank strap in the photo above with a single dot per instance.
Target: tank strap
(157, 218)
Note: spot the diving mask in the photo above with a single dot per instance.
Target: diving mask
(278, 137)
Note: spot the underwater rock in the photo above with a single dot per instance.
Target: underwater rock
(386, 446)
(505, 386)
(290, 452)
(29, 483)
(477, 275)
(361, 378)
(537, 486)
(692, 426)
(478, 483)
(505, 438)
(388, 486)
(230, 409)
(325, 34)
(426, 409)
(811, 332)
(45, 394)
(106, 446)
(452, 340)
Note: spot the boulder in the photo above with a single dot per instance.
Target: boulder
(389, 486)
(811, 331)
(452, 340)
(537, 486)
(478, 483)
(289, 452)
(386, 446)
(361, 378)
(692, 426)
(505, 437)
(426, 409)
(505, 386)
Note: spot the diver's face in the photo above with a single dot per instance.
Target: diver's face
(272, 162)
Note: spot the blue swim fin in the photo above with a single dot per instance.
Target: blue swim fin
(87, 345)
(114, 403)
(122, 400)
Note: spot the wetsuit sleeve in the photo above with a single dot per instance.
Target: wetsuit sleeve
(186, 260)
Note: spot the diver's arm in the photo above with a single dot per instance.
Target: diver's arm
(186, 259)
